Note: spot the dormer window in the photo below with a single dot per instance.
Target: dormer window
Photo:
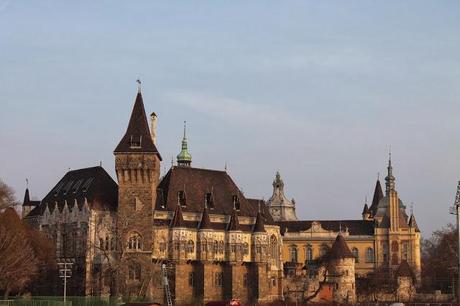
(135, 143)
(236, 202)
(181, 198)
(208, 199)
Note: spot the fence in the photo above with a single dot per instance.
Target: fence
(58, 301)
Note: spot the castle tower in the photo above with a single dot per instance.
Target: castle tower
(279, 206)
(341, 271)
(27, 204)
(137, 165)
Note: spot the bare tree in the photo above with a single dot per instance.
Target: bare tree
(7, 198)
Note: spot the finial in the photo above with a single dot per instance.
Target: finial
(225, 167)
(411, 208)
(100, 163)
(27, 183)
(365, 199)
(340, 226)
(185, 128)
(172, 160)
(259, 205)
(378, 176)
(138, 81)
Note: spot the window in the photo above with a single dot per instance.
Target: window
(216, 247)
(293, 252)
(245, 248)
(162, 246)
(221, 247)
(309, 253)
(209, 200)
(182, 198)
(385, 252)
(355, 254)
(369, 255)
(323, 251)
(405, 250)
(218, 279)
(134, 271)
(273, 247)
(135, 142)
(258, 249)
(191, 277)
(190, 246)
(236, 202)
(134, 242)
(233, 248)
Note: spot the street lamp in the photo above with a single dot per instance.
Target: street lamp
(65, 272)
(455, 210)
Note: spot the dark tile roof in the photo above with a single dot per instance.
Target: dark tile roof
(27, 201)
(355, 227)
(378, 195)
(234, 224)
(205, 222)
(94, 184)
(137, 137)
(268, 219)
(196, 183)
(365, 209)
(404, 270)
(340, 249)
(259, 225)
(413, 223)
(178, 219)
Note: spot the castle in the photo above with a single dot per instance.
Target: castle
(196, 227)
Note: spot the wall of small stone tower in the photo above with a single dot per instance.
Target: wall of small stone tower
(342, 274)
(138, 177)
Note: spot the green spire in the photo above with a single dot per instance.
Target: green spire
(184, 158)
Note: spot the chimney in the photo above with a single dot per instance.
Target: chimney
(153, 128)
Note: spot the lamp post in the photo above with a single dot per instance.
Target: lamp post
(65, 272)
(455, 210)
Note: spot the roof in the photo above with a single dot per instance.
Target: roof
(205, 222)
(340, 249)
(93, 183)
(365, 209)
(195, 183)
(178, 219)
(404, 270)
(234, 224)
(355, 227)
(412, 223)
(137, 138)
(27, 201)
(259, 225)
(378, 195)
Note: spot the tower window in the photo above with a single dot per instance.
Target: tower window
(236, 202)
(309, 253)
(135, 142)
(135, 242)
(182, 198)
(134, 271)
(208, 199)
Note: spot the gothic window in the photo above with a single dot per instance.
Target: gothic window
(135, 242)
(162, 246)
(134, 271)
(405, 250)
(190, 246)
(309, 253)
(236, 202)
(273, 247)
(293, 251)
(216, 247)
(182, 198)
(233, 248)
(369, 255)
(245, 248)
(218, 279)
(355, 254)
(258, 249)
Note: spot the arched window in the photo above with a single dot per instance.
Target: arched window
(134, 271)
(323, 251)
(273, 247)
(309, 253)
(135, 242)
(190, 246)
(293, 252)
(369, 255)
(356, 254)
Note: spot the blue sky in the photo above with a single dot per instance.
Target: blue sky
(318, 90)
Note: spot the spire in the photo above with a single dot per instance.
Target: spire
(205, 220)
(234, 224)
(26, 197)
(184, 158)
(178, 219)
(366, 208)
(137, 137)
(378, 195)
(413, 223)
(278, 183)
(340, 249)
(259, 226)
(389, 179)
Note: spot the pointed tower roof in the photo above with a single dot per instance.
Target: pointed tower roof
(259, 226)
(205, 220)
(137, 137)
(412, 223)
(184, 158)
(365, 209)
(26, 198)
(178, 219)
(234, 224)
(389, 179)
(378, 195)
(340, 249)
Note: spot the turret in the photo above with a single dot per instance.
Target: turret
(280, 207)
(184, 158)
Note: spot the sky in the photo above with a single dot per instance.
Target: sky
(318, 90)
